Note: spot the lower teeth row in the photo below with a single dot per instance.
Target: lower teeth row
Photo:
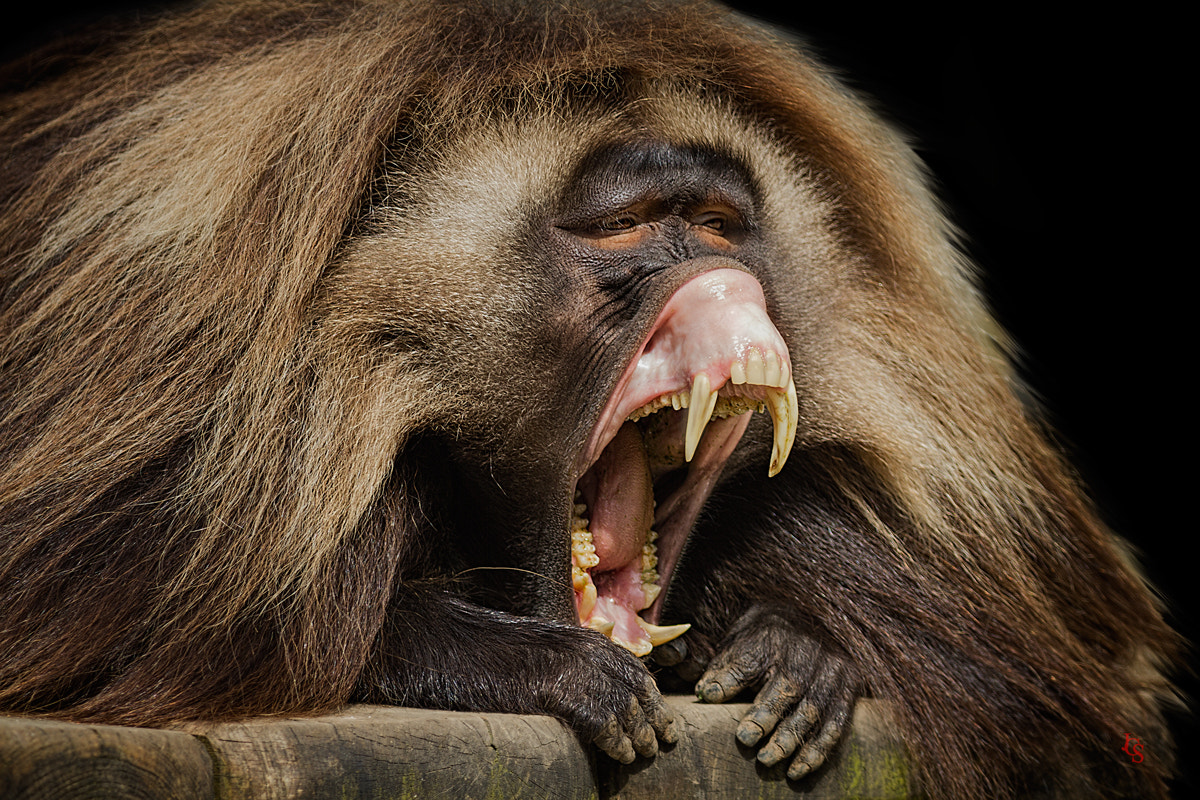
(583, 558)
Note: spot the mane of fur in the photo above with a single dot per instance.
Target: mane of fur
(199, 512)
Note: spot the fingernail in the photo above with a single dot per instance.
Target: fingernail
(769, 756)
(749, 732)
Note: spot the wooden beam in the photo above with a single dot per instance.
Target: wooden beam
(367, 752)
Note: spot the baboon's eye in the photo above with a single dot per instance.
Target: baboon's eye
(621, 222)
(713, 221)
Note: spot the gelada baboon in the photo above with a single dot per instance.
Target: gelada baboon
(461, 354)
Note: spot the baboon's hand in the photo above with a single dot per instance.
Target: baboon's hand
(612, 701)
(806, 693)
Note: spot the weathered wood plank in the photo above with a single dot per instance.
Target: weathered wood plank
(379, 752)
(374, 752)
(41, 760)
(368, 752)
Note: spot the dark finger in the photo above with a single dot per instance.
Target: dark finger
(814, 753)
(614, 742)
(730, 673)
(789, 734)
(669, 654)
(658, 713)
(774, 702)
(825, 697)
(638, 728)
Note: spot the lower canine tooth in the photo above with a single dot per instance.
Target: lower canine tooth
(660, 634)
(784, 409)
(703, 400)
(587, 600)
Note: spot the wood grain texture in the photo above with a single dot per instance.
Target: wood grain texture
(381, 752)
(367, 752)
(42, 760)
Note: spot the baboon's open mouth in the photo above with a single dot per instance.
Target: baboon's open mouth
(712, 357)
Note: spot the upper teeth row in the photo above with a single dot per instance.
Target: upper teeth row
(767, 370)
(727, 406)
(761, 369)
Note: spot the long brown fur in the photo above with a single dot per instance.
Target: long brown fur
(211, 459)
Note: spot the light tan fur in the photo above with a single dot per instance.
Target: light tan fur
(206, 228)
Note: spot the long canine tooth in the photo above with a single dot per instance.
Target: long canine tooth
(662, 633)
(782, 405)
(703, 400)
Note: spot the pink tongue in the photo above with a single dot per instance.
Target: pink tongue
(620, 499)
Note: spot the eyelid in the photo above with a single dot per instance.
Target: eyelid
(623, 221)
(727, 220)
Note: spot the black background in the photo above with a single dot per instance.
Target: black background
(1057, 142)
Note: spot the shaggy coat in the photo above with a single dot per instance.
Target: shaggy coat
(284, 365)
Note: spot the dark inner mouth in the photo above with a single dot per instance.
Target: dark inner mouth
(663, 434)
